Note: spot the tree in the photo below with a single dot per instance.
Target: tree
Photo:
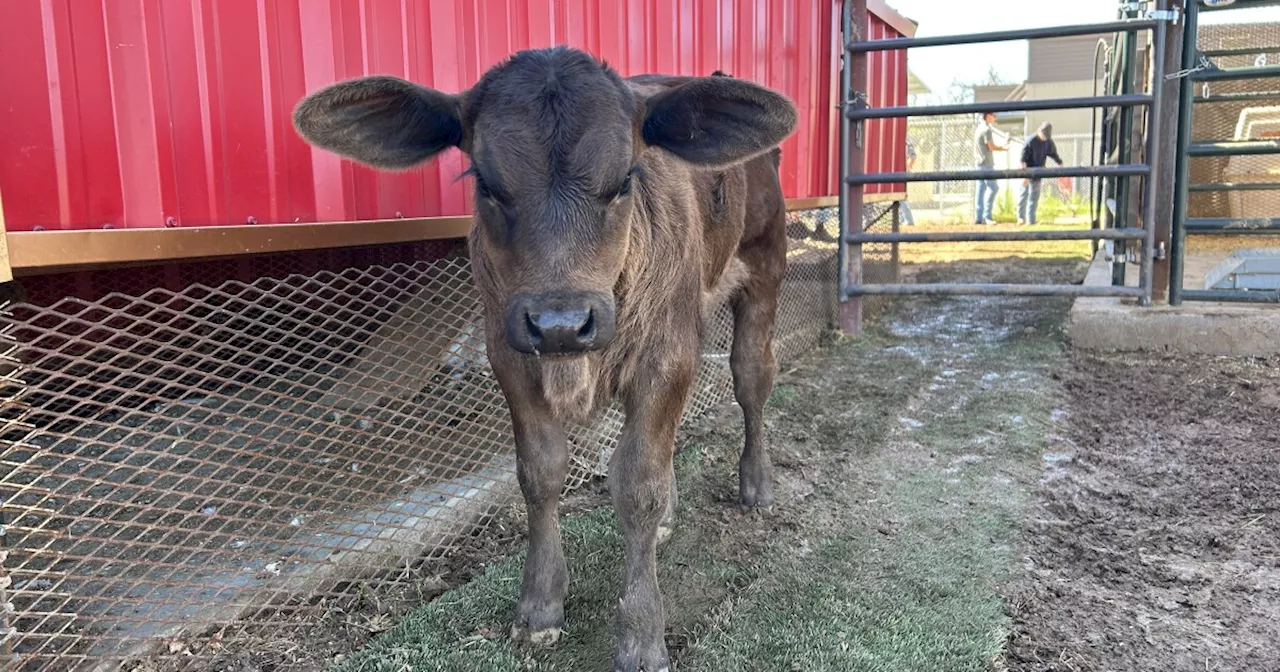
(959, 92)
(994, 78)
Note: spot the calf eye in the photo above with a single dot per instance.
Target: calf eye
(625, 188)
(482, 189)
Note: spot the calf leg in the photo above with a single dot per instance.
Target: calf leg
(668, 524)
(753, 365)
(641, 478)
(542, 462)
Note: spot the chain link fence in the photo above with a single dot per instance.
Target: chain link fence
(947, 143)
(182, 463)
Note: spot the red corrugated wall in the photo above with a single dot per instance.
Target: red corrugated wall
(147, 113)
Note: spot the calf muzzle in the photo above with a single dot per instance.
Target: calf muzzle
(560, 324)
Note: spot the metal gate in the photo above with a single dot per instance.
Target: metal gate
(1200, 68)
(1133, 17)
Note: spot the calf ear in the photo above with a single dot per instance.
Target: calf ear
(385, 122)
(717, 121)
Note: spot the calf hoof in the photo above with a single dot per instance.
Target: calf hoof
(664, 533)
(756, 498)
(543, 639)
(652, 661)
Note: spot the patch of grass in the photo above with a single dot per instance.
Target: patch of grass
(1006, 207)
(924, 600)
(783, 396)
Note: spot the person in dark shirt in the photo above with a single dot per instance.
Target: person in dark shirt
(1035, 153)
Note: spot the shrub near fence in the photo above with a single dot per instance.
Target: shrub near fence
(179, 463)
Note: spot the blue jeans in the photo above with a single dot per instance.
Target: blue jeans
(986, 208)
(1029, 202)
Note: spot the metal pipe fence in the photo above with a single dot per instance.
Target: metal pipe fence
(1153, 17)
(181, 468)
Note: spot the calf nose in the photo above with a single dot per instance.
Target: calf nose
(560, 325)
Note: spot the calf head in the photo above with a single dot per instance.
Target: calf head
(555, 139)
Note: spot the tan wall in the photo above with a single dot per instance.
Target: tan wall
(1064, 121)
(1066, 59)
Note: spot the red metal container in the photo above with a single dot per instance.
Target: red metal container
(152, 113)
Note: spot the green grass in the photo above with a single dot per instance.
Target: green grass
(900, 491)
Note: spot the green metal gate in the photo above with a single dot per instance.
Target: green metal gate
(1200, 68)
(1133, 17)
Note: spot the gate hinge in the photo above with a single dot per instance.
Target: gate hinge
(1161, 253)
(1170, 15)
(858, 101)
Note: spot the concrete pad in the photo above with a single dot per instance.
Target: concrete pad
(1120, 325)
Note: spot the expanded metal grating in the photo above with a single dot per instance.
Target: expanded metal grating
(1218, 118)
(178, 463)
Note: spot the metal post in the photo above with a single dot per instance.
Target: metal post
(1178, 243)
(1124, 189)
(853, 83)
(1168, 147)
(1154, 140)
(895, 228)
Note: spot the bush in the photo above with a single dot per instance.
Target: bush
(1051, 207)
(1006, 207)
(1079, 204)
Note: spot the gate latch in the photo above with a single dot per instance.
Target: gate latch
(858, 101)
(1170, 15)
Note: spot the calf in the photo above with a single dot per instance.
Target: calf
(611, 216)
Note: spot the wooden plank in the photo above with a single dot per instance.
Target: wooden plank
(6, 272)
(892, 17)
(33, 253)
(36, 252)
(1167, 146)
(854, 195)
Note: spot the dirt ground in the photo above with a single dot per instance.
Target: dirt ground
(957, 491)
(1155, 541)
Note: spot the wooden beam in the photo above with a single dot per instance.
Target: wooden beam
(854, 73)
(881, 9)
(6, 271)
(33, 253)
(1167, 146)
(38, 252)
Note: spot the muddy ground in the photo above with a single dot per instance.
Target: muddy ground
(1155, 540)
(956, 491)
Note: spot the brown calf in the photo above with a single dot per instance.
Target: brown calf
(611, 215)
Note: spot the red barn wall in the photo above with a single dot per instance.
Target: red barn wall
(146, 113)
